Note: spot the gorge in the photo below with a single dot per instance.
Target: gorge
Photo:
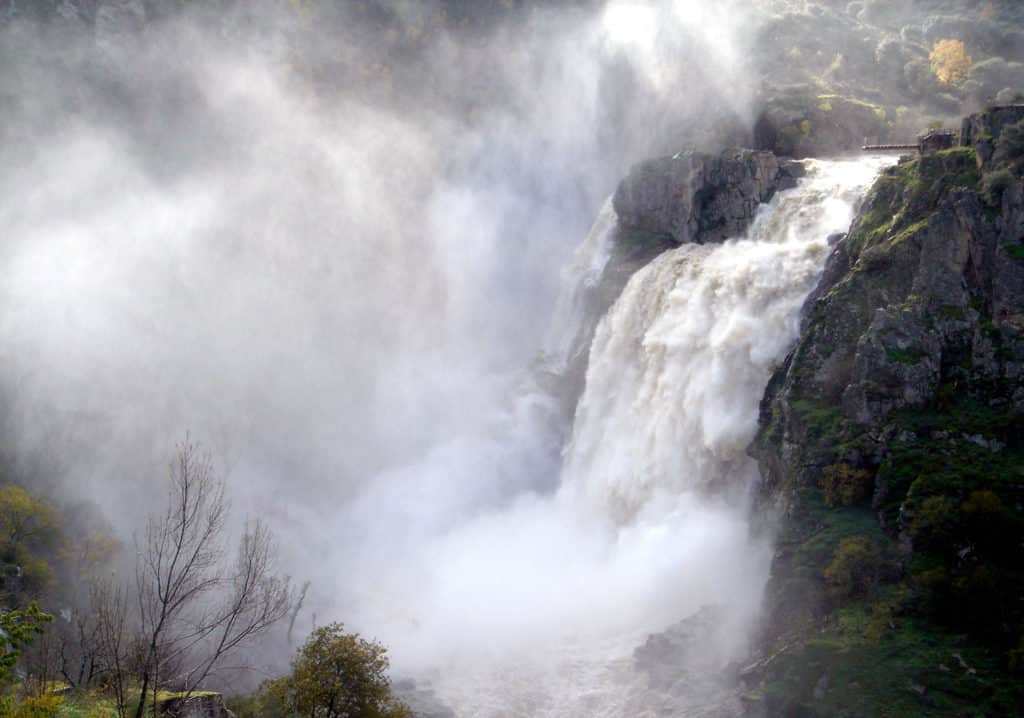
(572, 351)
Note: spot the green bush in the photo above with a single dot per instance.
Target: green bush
(334, 675)
(854, 567)
(844, 485)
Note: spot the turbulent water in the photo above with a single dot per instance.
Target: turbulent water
(649, 521)
(679, 364)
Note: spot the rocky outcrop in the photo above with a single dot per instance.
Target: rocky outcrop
(694, 197)
(197, 705)
(907, 303)
(809, 124)
(980, 129)
(891, 441)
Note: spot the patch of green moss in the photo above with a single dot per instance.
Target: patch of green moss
(824, 421)
(908, 232)
(877, 109)
(162, 696)
(1015, 250)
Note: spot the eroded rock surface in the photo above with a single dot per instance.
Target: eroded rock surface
(695, 197)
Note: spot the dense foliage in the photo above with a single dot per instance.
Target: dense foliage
(335, 675)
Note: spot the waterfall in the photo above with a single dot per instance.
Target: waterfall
(678, 365)
(649, 522)
(527, 587)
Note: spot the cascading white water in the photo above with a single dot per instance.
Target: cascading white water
(528, 595)
(678, 366)
(579, 281)
(634, 540)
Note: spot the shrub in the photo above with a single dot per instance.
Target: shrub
(854, 567)
(44, 706)
(19, 629)
(843, 485)
(335, 675)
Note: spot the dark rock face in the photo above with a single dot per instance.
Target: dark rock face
(694, 197)
(906, 293)
(892, 441)
(980, 129)
(803, 124)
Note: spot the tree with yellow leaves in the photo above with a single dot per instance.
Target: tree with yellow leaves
(950, 61)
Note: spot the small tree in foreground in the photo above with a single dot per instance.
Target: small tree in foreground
(17, 630)
(336, 675)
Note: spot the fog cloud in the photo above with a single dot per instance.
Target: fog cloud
(327, 241)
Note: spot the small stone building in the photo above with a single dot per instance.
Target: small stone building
(935, 140)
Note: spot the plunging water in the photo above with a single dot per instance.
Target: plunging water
(534, 605)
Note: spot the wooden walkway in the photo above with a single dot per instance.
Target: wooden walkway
(886, 148)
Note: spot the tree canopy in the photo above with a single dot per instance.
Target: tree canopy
(336, 675)
(950, 61)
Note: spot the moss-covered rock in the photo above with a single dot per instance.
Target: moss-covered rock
(893, 439)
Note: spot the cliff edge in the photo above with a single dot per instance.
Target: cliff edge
(891, 443)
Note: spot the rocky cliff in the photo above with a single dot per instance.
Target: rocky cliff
(694, 197)
(892, 441)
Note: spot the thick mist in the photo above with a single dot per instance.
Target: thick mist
(329, 243)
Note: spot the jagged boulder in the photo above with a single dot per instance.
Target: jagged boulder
(695, 197)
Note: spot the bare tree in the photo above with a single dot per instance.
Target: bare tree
(296, 608)
(194, 609)
(113, 638)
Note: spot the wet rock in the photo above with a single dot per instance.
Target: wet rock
(695, 197)
(421, 700)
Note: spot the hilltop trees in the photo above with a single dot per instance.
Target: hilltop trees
(29, 528)
(950, 61)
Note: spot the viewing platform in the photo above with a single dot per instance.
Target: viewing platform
(929, 142)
